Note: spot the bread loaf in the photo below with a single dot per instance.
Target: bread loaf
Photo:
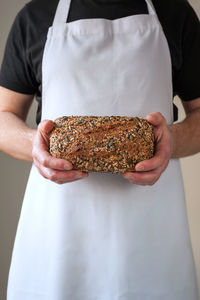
(102, 144)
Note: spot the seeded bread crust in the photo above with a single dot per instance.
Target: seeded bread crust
(109, 144)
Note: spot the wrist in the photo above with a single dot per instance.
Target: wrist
(25, 147)
(172, 132)
(31, 137)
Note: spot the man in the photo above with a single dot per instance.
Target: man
(102, 237)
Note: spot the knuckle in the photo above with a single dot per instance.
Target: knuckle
(162, 118)
(153, 179)
(152, 182)
(59, 182)
(167, 152)
(160, 161)
(159, 114)
(42, 173)
(67, 175)
(70, 174)
(41, 124)
(34, 152)
(52, 176)
(44, 161)
(74, 175)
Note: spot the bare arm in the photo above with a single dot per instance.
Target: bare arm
(22, 142)
(186, 134)
(16, 137)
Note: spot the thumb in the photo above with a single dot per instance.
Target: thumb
(44, 130)
(46, 126)
(156, 119)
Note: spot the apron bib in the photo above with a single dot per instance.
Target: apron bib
(103, 238)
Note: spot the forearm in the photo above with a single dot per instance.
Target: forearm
(16, 137)
(186, 135)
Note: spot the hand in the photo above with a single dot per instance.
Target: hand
(149, 171)
(54, 169)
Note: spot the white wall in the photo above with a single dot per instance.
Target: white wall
(14, 174)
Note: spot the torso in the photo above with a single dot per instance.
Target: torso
(104, 238)
(42, 12)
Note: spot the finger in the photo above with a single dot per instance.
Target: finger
(159, 159)
(41, 148)
(46, 126)
(72, 180)
(162, 154)
(144, 178)
(44, 129)
(42, 136)
(43, 133)
(55, 175)
(48, 161)
(156, 119)
(64, 178)
(63, 182)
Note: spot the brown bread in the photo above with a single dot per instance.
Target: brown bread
(102, 144)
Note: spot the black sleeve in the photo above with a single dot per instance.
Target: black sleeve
(187, 78)
(16, 72)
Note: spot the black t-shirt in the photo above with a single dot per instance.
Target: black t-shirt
(21, 67)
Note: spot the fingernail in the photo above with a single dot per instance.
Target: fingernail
(67, 167)
(140, 168)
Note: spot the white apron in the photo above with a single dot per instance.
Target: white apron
(103, 238)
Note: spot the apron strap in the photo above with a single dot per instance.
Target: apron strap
(151, 8)
(63, 7)
(62, 12)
